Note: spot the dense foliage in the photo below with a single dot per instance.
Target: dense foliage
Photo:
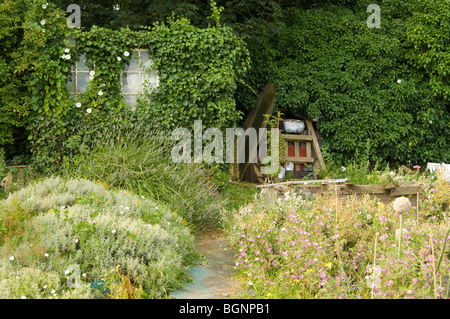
(386, 87)
(198, 70)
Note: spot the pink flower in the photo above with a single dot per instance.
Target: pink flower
(416, 167)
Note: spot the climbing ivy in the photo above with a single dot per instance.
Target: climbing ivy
(198, 71)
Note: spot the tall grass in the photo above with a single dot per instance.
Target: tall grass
(137, 157)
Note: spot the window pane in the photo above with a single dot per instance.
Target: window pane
(145, 59)
(130, 99)
(151, 79)
(81, 63)
(131, 83)
(133, 65)
(82, 81)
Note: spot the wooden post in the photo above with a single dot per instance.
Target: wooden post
(8, 182)
(315, 144)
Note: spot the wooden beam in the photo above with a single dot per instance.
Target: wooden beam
(293, 137)
(315, 144)
(264, 105)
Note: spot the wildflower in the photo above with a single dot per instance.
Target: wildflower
(92, 73)
(23, 297)
(44, 6)
(126, 53)
(63, 56)
(68, 56)
(78, 104)
(83, 275)
(66, 273)
(52, 292)
(46, 255)
(343, 168)
(11, 258)
(66, 50)
(416, 167)
(88, 110)
(230, 180)
(113, 231)
(91, 77)
(42, 21)
(402, 205)
(423, 253)
(119, 58)
(399, 81)
(397, 233)
(100, 93)
(76, 240)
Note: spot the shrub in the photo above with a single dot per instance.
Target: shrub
(78, 222)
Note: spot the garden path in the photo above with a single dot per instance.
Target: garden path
(213, 279)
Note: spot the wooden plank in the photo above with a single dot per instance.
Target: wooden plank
(308, 150)
(299, 160)
(264, 105)
(296, 149)
(339, 180)
(296, 137)
(315, 144)
(407, 189)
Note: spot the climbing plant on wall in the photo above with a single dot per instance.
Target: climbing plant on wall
(198, 70)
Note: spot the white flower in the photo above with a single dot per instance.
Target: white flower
(343, 169)
(42, 21)
(91, 72)
(78, 104)
(68, 56)
(44, 6)
(66, 273)
(100, 93)
(44, 287)
(11, 258)
(67, 50)
(88, 110)
(127, 207)
(126, 53)
(83, 275)
(46, 255)
(76, 240)
(53, 291)
(91, 77)
(120, 212)
(399, 81)
(119, 58)
(23, 297)
(63, 56)
(113, 231)
(402, 205)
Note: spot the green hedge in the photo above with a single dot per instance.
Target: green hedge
(385, 87)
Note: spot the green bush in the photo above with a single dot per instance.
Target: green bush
(78, 222)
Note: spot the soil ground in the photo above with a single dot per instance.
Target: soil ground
(214, 278)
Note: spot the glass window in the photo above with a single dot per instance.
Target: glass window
(78, 81)
(137, 78)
